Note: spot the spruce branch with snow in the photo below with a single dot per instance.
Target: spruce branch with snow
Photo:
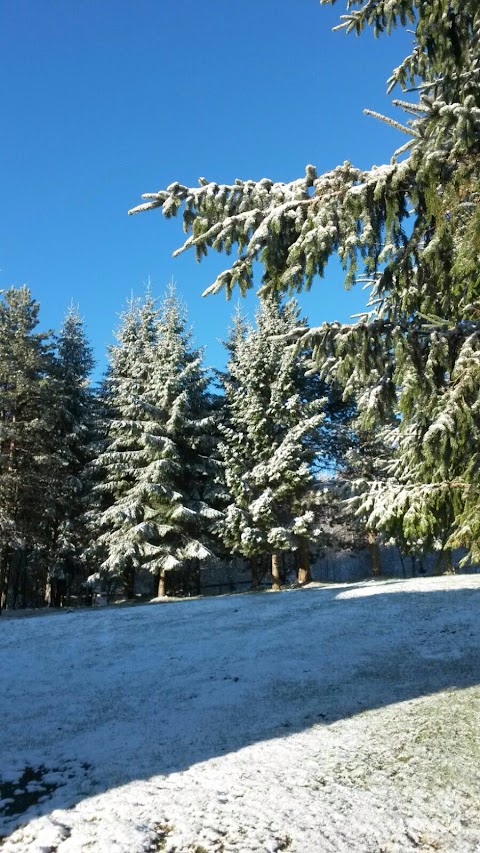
(412, 226)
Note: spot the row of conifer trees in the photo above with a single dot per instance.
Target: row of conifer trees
(165, 466)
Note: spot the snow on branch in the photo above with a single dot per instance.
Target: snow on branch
(292, 228)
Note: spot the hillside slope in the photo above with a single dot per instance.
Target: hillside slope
(340, 718)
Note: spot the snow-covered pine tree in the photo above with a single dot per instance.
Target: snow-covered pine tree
(414, 223)
(74, 416)
(270, 439)
(184, 506)
(365, 463)
(26, 423)
(161, 466)
(123, 453)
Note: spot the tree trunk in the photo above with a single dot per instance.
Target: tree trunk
(58, 592)
(444, 563)
(15, 586)
(374, 551)
(402, 562)
(4, 578)
(129, 582)
(161, 584)
(450, 567)
(197, 577)
(303, 556)
(254, 571)
(276, 570)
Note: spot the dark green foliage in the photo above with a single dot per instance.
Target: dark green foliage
(72, 449)
(412, 228)
(26, 426)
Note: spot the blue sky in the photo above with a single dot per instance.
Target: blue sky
(102, 101)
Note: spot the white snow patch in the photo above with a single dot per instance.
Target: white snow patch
(330, 719)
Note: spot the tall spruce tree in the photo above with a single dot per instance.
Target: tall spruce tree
(270, 440)
(74, 416)
(26, 426)
(122, 455)
(160, 462)
(414, 223)
(186, 503)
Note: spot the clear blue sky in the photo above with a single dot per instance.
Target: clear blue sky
(104, 100)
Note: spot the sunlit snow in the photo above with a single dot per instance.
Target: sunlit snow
(339, 718)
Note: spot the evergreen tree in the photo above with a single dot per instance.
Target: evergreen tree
(270, 441)
(413, 359)
(26, 425)
(122, 455)
(160, 462)
(71, 449)
(364, 466)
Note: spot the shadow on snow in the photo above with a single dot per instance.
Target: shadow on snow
(121, 695)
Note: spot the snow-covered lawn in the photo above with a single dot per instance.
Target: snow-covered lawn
(340, 718)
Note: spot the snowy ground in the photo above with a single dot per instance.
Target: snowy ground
(340, 718)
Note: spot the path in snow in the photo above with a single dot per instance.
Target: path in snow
(248, 723)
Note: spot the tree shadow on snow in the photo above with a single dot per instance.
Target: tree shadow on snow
(96, 700)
